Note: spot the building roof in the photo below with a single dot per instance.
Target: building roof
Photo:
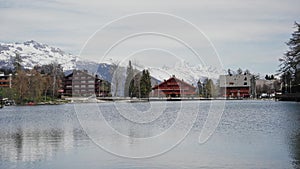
(179, 82)
(78, 73)
(68, 72)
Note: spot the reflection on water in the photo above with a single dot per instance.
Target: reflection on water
(294, 138)
(251, 134)
(27, 135)
(35, 145)
(295, 150)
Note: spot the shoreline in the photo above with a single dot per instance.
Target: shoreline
(136, 100)
(128, 100)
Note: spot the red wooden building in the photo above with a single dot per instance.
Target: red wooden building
(174, 87)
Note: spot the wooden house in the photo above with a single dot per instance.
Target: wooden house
(174, 87)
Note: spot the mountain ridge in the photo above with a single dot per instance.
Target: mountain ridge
(34, 53)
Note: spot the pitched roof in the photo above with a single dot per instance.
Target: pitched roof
(177, 80)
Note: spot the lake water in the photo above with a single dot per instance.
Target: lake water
(251, 134)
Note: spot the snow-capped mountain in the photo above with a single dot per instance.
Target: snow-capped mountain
(33, 53)
(183, 70)
(104, 70)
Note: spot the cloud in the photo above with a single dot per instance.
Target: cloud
(241, 30)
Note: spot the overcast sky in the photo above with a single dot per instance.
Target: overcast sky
(247, 34)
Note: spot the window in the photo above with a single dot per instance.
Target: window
(245, 83)
(245, 78)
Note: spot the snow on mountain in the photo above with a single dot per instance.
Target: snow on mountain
(183, 70)
(101, 69)
(33, 53)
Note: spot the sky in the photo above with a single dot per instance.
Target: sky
(246, 34)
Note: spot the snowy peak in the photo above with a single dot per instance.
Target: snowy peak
(33, 53)
(183, 70)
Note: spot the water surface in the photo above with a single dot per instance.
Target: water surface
(251, 134)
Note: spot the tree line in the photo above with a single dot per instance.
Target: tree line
(137, 84)
(38, 84)
(207, 88)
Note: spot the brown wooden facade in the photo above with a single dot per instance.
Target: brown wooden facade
(81, 84)
(174, 87)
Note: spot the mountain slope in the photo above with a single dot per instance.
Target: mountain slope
(183, 70)
(33, 53)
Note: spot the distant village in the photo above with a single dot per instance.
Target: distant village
(49, 84)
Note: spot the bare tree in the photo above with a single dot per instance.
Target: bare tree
(117, 73)
(21, 85)
(129, 78)
(35, 85)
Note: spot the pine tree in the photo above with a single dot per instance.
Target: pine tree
(148, 83)
(199, 88)
(229, 72)
(140, 85)
(143, 84)
(291, 58)
(239, 71)
(267, 77)
(247, 72)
